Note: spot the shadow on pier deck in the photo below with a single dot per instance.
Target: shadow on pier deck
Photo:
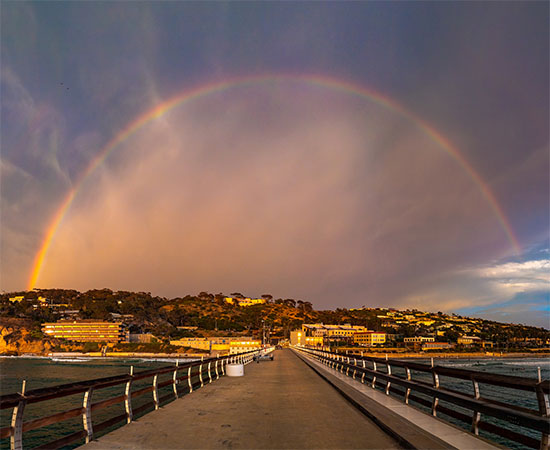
(279, 404)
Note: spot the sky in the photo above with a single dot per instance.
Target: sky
(379, 154)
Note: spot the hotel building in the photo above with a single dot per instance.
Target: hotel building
(85, 330)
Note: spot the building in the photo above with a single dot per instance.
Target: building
(141, 338)
(241, 346)
(67, 313)
(332, 332)
(317, 334)
(314, 341)
(473, 340)
(85, 330)
(426, 322)
(219, 344)
(17, 299)
(244, 301)
(369, 338)
(418, 339)
(437, 346)
(251, 301)
(123, 317)
(416, 342)
(298, 337)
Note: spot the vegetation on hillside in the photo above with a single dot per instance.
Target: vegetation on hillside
(144, 313)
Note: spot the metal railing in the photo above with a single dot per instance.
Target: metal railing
(184, 379)
(512, 420)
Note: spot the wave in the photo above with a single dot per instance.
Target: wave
(541, 363)
(72, 359)
(471, 364)
(168, 360)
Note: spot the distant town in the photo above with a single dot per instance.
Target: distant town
(103, 322)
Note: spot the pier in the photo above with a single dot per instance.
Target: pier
(304, 398)
(277, 404)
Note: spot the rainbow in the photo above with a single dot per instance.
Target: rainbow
(325, 82)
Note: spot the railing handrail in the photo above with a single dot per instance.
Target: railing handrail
(512, 381)
(209, 367)
(528, 418)
(62, 390)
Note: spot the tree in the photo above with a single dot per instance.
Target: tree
(451, 335)
(290, 302)
(267, 297)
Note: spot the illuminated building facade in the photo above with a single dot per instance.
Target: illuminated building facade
(85, 330)
(238, 346)
(244, 301)
(369, 338)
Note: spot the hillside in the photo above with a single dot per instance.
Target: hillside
(144, 313)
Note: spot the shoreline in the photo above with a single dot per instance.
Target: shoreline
(108, 355)
(407, 355)
(472, 355)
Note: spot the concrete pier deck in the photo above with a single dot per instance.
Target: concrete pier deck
(280, 404)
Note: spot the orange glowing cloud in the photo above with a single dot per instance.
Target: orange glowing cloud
(298, 191)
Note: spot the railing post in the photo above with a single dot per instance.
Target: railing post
(16, 439)
(156, 391)
(87, 415)
(363, 376)
(408, 390)
(476, 415)
(189, 382)
(224, 363)
(436, 399)
(200, 374)
(217, 373)
(354, 370)
(374, 375)
(209, 371)
(544, 410)
(128, 397)
(175, 379)
(388, 383)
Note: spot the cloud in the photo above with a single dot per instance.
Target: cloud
(287, 188)
(532, 308)
(516, 292)
(519, 277)
(32, 178)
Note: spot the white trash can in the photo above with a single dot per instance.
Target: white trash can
(234, 370)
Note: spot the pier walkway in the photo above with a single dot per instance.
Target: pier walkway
(278, 404)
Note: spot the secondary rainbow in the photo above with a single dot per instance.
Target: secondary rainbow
(322, 81)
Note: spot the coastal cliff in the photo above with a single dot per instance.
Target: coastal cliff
(16, 338)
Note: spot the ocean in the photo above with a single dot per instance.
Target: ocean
(43, 372)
